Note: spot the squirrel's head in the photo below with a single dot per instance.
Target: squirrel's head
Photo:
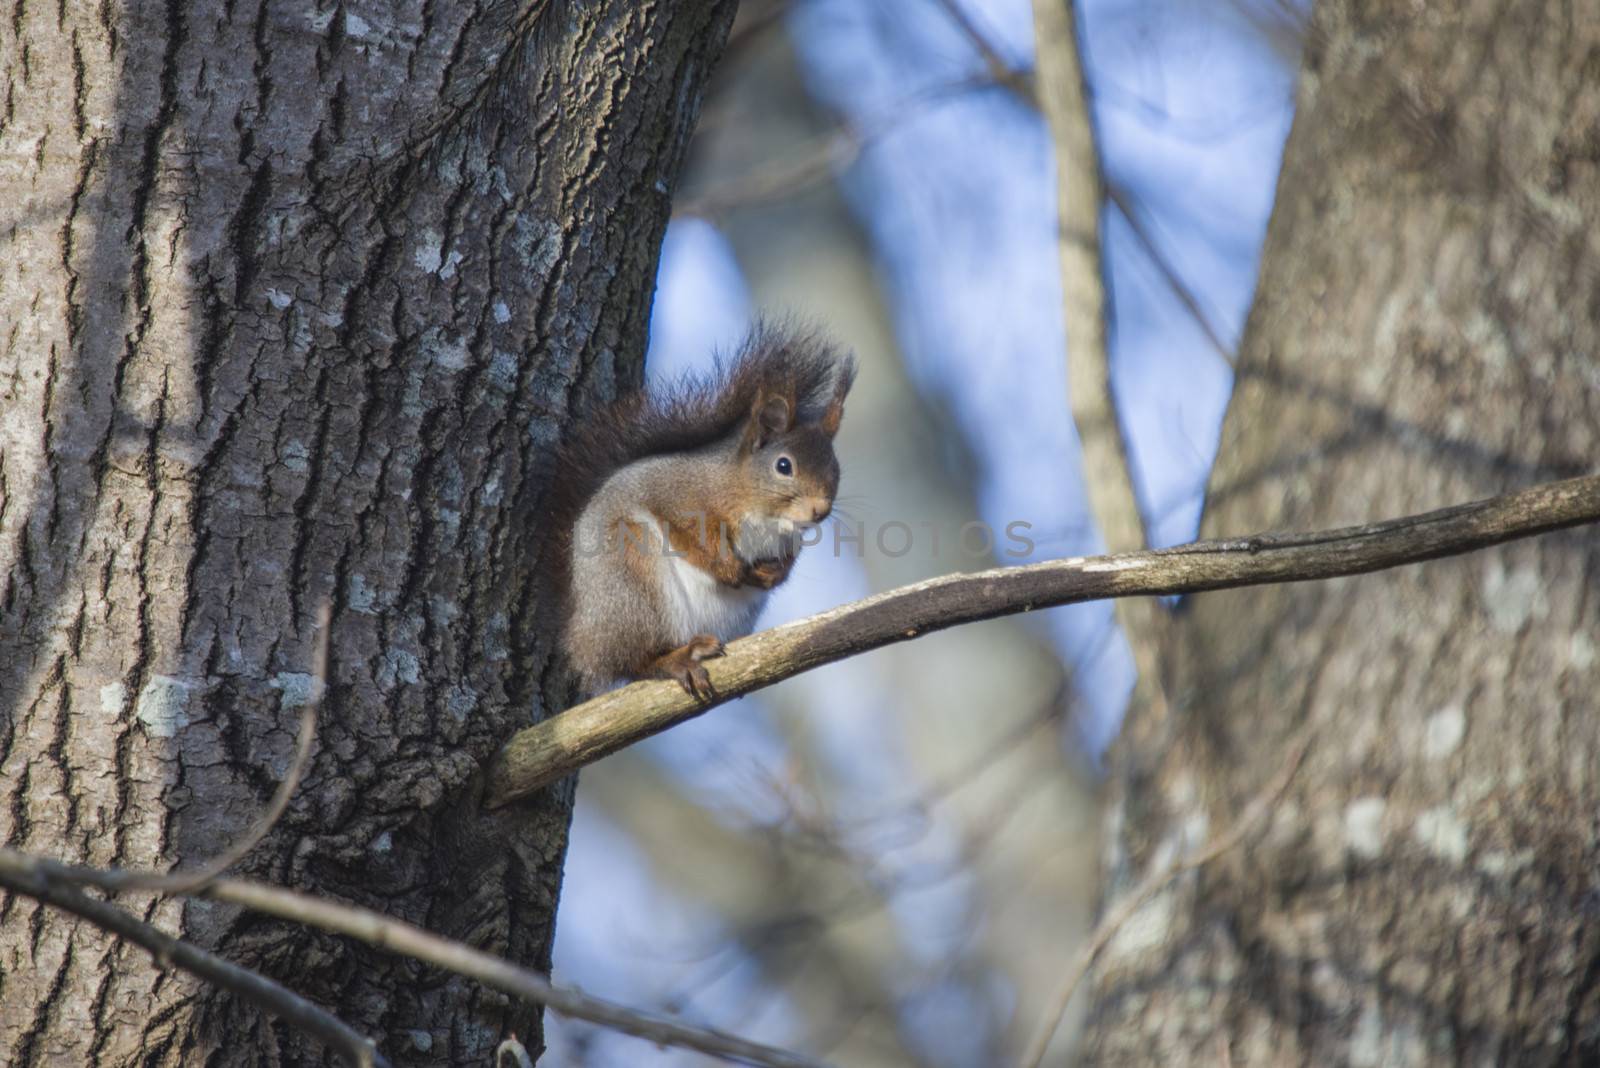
(792, 471)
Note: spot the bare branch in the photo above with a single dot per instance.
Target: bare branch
(553, 749)
(1113, 921)
(753, 21)
(1052, 711)
(39, 876)
(411, 941)
(1002, 70)
(1123, 202)
(1063, 98)
(824, 156)
(47, 882)
(790, 175)
(56, 883)
(836, 150)
(408, 940)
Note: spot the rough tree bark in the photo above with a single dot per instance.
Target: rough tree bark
(293, 300)
(1426, 329)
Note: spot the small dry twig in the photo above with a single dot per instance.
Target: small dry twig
(1002, 70)
(397, 936)
(52, 884)
(825, 156)
(1122, 200)
(408, 940)
(57, 884)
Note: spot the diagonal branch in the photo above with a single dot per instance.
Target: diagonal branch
(406, 939)
(1122, 200)
(999, 68)
(57, 883)
(553, 749)
(47, 882)
(394, 935)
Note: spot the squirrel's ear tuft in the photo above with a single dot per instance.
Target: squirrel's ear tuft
(832, 415)
(775, 416)
(772, 415)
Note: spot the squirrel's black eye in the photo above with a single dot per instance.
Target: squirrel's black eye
(784, 466)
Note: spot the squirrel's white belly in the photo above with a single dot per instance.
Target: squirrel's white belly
(696, 603)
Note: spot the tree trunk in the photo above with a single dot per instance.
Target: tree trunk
(295, 300)
(1426, 331)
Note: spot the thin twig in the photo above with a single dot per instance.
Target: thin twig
(1254, 812)
(411, 941)
(752, 23)
(549, 751)
(418, 944)
(48, 883)
(1024, 85)
(1053, 710)
(999, 68)
(1123, 202)
(56, 883)
(827, 155)
(408, 940)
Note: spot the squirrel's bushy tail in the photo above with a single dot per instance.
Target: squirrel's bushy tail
(696, 410)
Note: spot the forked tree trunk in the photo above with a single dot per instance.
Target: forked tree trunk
(294, 299)
(1426, 330)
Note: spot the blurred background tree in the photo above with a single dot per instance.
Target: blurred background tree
(1426, 329)
(894, 859)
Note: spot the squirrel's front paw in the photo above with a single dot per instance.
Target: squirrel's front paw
(704, 647)
(768, 573)
(683, 664)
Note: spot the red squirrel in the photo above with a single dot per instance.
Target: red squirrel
(677, 513)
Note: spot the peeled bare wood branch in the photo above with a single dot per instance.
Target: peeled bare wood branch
(1063, 97)
(562, 744)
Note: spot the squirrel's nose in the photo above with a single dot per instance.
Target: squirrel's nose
(820, 510)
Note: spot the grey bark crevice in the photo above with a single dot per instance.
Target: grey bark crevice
(1425, 328)
(300, 299)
